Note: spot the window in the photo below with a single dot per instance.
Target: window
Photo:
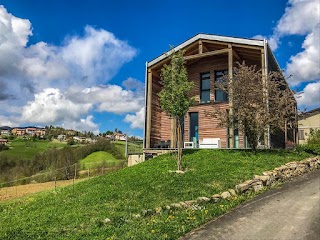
(301, 134)
(220, 95)
(205, 88)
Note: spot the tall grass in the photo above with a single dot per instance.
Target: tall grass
(80, 212)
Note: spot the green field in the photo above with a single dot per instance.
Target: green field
(97, 159)
(132, 147)
(80, 212)
(120, 146)
(27, 149)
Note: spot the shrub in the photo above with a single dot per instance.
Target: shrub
(313, 143)
(3, 147)
(314, 137)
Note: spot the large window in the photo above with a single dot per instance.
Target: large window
(205, 88)
(220, 95)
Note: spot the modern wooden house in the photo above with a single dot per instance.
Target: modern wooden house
(208, 58)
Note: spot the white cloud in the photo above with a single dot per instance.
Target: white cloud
(110, 98)
(132, 83)
(41, 78)
(97, 56)
(309, 98)
(14, 31)
(273, 41)
(300, 17)
(305, 66)
(84, 124)
(9, 121)
(51, 106)
(136, 120)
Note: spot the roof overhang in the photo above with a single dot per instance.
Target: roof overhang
(217, 38)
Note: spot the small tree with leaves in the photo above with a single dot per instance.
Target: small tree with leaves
(174, 96)
(258, 105)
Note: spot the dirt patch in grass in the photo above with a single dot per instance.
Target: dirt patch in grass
(7, 193)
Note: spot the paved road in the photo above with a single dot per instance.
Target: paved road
(291, 212)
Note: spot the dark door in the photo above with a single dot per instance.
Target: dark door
(194, 126)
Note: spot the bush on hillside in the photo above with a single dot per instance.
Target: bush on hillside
(52, 159)
(313, 143)
(3, 147)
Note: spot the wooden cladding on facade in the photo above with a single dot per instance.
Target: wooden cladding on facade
(203, 56)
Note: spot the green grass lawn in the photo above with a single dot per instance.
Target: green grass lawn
(98, 158)
(120, 146)
(26, 149)
(79, 213)
(132, 147)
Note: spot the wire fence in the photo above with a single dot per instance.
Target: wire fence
(54, 178)
(134, 147)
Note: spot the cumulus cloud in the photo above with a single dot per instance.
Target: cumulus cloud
(136, 120)
(273, 41)
(9, 120)
(51, 106)
(301, 17)
(14, 31)
(84, 124)
(41, 81)
(132, 83)
(309, 97)
(109, 98)
(305, 66)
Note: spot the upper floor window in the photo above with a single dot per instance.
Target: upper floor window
(220, 95)
(205, 88)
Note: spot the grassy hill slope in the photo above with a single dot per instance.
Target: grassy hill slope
(27, 149)
(97, 158)
(79, 213)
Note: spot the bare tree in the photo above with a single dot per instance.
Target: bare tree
(259, 104)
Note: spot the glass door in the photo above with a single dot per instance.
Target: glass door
(194, 127)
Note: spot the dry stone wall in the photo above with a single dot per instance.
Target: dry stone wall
(279, 174)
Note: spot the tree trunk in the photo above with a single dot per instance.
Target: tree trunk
(179, 165)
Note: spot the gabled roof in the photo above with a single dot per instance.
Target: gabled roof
(201, 36)
(309, 113)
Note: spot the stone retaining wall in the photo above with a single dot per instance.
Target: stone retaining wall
(279, 174)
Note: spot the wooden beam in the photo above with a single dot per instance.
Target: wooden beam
(166, 59)
(265, 93)
(236, 55)
(214, 42)
(200, 47)
(246, 46)
(149, 104)
(206, 54)
(230, 72)
(204, 48)
(159, 64)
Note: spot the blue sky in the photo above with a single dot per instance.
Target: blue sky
(81, 64)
